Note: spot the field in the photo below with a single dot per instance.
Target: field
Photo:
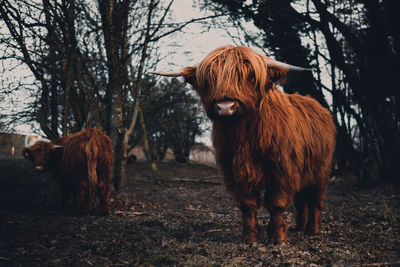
(190, 220)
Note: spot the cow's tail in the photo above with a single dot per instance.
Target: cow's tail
(91, 157)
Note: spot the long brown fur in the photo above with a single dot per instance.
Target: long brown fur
(283, 145)
(82, 164)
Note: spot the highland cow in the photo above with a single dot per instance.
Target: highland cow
(82, 164)
(266, 141)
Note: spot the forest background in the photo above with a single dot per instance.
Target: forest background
(71, 64)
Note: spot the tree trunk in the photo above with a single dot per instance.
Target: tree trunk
(114, 15)
(154, 167)
(136, 91)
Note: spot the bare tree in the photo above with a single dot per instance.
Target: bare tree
(88, 59)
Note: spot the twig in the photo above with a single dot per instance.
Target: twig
(392, 263)
(194, 181)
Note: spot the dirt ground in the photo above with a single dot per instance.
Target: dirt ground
(190, 220)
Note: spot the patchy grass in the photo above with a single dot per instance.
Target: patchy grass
(188, 221)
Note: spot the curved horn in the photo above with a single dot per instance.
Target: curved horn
(278, 64)
(167, 74)
(172, 74)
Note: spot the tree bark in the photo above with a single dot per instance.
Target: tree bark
(150, 159)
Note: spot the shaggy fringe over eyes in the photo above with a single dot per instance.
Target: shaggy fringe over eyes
(237, 72)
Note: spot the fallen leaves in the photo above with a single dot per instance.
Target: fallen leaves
(185, 222)
(128, 213)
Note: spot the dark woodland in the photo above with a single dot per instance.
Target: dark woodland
(88, 63)
(359, 41)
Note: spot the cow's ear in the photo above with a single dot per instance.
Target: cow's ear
(26, 152)
(189, 73)
(277, 75)
(58, 150)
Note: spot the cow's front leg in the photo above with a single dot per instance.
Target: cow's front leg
(301, 204)
(66, 190)
(248, 207)
(315, 205)
(276, 204)
(65, 194)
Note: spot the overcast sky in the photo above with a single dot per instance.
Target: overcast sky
(194, 43)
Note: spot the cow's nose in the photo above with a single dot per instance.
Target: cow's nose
(226, 108)
(39, 168)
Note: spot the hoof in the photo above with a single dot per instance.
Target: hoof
(250, 238)
(311, 231)
(277, 235)
(103, 212)
(278, 239)
(299, 229)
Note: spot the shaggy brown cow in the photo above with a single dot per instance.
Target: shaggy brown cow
(82, 163)
(265, 140)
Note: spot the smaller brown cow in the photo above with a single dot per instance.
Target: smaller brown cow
(81, 162)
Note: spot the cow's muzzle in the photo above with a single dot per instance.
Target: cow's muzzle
(227, 108)
(40, 168)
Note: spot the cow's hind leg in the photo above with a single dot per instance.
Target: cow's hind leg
(82, 197)
(103, 193)
(301, 205)
(276, 203)
(248, 206)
